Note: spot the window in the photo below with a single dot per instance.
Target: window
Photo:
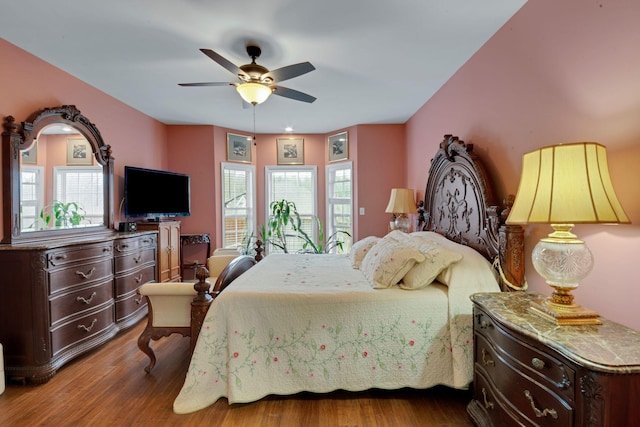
(238, 204)
(340, 203)
(81, 185)
(32, 196)
(296, 184)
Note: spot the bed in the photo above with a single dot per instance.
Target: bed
(315, 323)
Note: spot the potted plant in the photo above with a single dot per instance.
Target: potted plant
(61, 214)
(285, 213)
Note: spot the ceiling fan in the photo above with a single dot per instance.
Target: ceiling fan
(256, 82)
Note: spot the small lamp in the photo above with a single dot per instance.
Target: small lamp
(563, 185)
(400, 204)
(254, 93)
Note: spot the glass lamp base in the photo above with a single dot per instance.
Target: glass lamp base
(402, 223)
(563, 260)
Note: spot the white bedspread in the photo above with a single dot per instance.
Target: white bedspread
(312, 323)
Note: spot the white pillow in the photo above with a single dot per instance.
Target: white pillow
(474, 268)
(437, 259)
(386, 263)
(360, 248)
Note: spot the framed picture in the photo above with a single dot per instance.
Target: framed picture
(30, 156)
(79, 152)
(238, 148)
(290, 151)
(338, 147)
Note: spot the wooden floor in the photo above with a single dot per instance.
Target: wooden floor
(109, 387)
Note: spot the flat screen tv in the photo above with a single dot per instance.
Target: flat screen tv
(154, 194)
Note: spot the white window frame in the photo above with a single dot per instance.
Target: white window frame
(90, 219)
(251, 198)
(29, 223)
(269, 170)
(331, 227)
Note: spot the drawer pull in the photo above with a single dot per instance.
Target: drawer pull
(85, 300)
(483, 323)
(137, 259)
(58, 257)
(487, 361)
(537, 363)
(138, 300)
(122, 248)
(138, 279)
(537, 411)
(106, 249)
(88, 328)
(86, 275)
(487, 404)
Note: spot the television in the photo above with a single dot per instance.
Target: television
(154, 194)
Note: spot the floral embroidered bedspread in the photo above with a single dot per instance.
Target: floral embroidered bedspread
(297, 323)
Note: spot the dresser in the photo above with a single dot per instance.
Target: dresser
(64, 297)
(134, 265)
(528, 371)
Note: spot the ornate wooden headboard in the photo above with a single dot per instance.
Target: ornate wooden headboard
(460, 204)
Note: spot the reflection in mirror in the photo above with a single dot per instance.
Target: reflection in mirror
(61, 184)
(57, 182)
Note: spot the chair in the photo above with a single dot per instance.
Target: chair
(173, 304)
(219, 260)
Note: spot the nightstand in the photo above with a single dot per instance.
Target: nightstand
(528, 371)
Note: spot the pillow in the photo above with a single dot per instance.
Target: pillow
(437, 259)
(474, 268)
(360, 249)
(388, 261)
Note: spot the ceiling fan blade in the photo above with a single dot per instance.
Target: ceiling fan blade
(289, 72)
(230, 66)
(291, 93)
(206, 84)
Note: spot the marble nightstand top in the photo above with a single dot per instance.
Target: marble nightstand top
(610, 347)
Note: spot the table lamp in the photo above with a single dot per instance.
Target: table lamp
(401, 203)
(563, 185)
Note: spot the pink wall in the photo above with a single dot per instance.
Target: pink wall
(380, 159)
(377, 151)
(28, 84)
(556, 72)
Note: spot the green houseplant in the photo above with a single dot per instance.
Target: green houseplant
(61, 214)
(284, 213)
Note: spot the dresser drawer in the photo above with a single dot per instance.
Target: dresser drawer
(539, 365)
(129, 305)
(64, 305)
(131, 244)
(537, 402)
(135, 259)
(132, 281)
(80, 274)
(74, 332)
(491, 405)
(64, 256)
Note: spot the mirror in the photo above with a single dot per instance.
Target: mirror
(60, 176)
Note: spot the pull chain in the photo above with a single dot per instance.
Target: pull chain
(254, 124)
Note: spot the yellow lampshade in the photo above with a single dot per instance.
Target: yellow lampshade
(401, 201)
(566, 183)
(254, 93)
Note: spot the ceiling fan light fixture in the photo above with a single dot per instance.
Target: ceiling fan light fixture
(253, 93)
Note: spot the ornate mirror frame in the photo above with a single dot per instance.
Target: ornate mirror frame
(21, 137)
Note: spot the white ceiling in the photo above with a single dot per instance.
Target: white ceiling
(376, 61)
